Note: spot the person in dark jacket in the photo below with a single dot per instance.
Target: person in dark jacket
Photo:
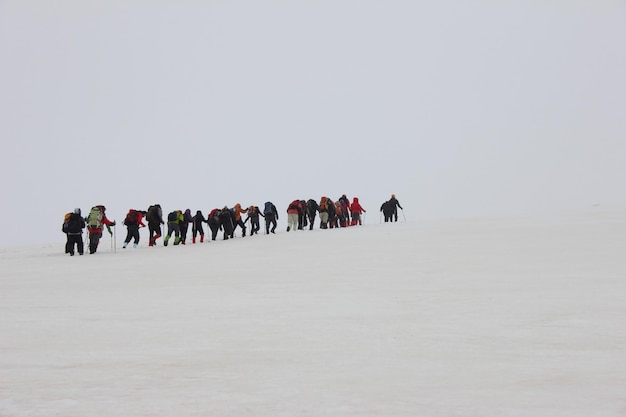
(73, 228)
(343, 212)
(214, 222)
(311, 210)
(395, 204)
(154, 216)
(387, 210)
(184, 225)
(227, 222)
(332, 214)
(271, 217)
(197, 227)
(302, 217)
(253, 215)
(133, 221)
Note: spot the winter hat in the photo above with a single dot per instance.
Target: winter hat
(77, 211)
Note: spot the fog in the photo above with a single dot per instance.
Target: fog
(459, 109)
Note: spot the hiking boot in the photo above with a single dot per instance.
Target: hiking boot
(124, 245)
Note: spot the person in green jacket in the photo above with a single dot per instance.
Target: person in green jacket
(174, 219)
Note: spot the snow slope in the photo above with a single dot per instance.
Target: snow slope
(493, 317)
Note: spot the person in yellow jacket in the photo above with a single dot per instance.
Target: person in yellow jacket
(238, 220)
(174, 219)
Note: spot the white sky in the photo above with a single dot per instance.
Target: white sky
(460, 108)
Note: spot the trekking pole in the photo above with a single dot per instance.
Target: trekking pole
(115, 238)
(403, 216)
(380, 218)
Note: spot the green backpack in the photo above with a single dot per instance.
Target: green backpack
(94, 220)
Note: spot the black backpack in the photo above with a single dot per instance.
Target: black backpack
(74, 223)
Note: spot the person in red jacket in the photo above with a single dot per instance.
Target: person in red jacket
(293, 212)
(356, 210)
(95, 220)
(133, 221)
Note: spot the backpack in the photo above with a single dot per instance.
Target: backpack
(74, 224)
(154, 214)
(131, 217)
(324, 204)
(94, 220)
(66, 223)
(269, 208)
(172, 217)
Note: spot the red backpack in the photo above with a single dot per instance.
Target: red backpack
(131, 217)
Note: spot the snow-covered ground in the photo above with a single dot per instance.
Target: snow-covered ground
(518, 316)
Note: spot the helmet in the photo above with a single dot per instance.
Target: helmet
(77, 211)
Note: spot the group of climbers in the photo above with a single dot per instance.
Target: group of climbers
(390, 209)
(74, 224)
(300, 214)
(340, 213)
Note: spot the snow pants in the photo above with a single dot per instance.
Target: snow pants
(174, 228)
(155, 232)
(215, 228)
(94, 240)
(270, 219)
(132, 232)
(255, 226)
(74, 240)
(241, 224)
(184, 227)
(197, 229)
(323, 220)
(311, 220)
(292, 221)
